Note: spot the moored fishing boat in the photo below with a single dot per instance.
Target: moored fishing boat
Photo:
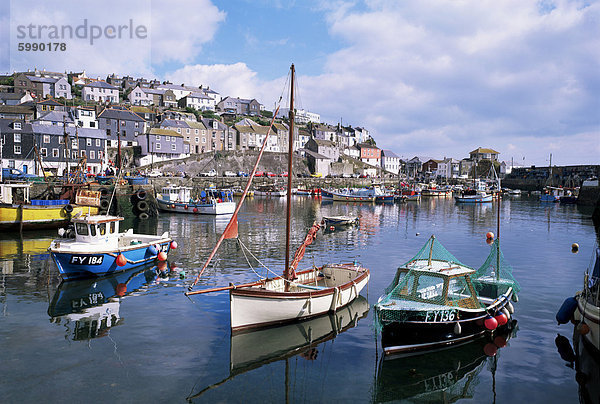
(270, 190)
(350, 195)
(31, 214)
(472, 196)
(99, 249)
(293, 296)
(551, 194)
(435, 300)
(211, 202)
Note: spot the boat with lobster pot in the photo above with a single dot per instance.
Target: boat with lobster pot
(435, 300)
(211, 201)
(96, 248)
(294, 295)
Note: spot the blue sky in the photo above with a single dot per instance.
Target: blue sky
(429, 77)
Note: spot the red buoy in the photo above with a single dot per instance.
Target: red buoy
(489, 241)
(583, 328)
(185, 207)
(501, 319)
(121, 260)
(489, 235)
(195, 210)
(490, 323)
(121, 289)
(490, 349)
(162, 256)
(174, 245)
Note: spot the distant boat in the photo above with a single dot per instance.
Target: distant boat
(211, 202)
(514, 192)
(473, 197)
(339, 220)
(352, 194)
(99, 249)
(270, 190)
(551, 194)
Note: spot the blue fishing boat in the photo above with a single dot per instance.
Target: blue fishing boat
(471, 196)
(98, 249)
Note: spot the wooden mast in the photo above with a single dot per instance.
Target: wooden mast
(286, 273)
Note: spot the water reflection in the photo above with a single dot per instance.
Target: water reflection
(22, 252)
(441, 376)
(253, 349)
(585, 361)
(89, 308)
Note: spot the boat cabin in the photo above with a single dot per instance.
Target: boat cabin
(447, 287)
(7, 192)
(176, 194)
(97, 229)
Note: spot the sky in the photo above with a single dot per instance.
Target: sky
(434, 78)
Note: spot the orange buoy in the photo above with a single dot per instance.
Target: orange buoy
(162, 265)
(501, 318)
(174, 245)
(162, 256)
(583, 328)
(121, 260)
(185, 207)
(489, 235)
(489, 241)
(574, 248)
(121, 289)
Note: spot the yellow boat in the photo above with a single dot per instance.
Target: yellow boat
(30, 216)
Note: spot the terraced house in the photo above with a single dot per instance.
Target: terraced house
(122, 124)
(161, 145)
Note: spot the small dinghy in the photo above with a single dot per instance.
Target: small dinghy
(339, 220)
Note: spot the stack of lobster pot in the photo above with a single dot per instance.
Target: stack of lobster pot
(140, 205)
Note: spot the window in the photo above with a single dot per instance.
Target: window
(65, 155)
(97, 142)
(92, 124)
(80, 123)
(81, 229)
(187, 130)
(11, 164)
(157, 137)
(74, 144)
(196, 131)
(137, 124)
(92, 155)
(17, 137)
(108, 132)
(92, 229)
(108, 121)
(136, 133)
(187, 138)
(44, 152)
(122, 123)
(88, 141)
(197, 140)
(112, 227)
(173, 147)
(102, 229)
(55, 153)
(17, 149)
(82, 153)
(17, 126)
(99, 155)
(203, 140)
(158, 146)
(168, 138)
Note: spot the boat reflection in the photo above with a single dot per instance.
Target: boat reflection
(586, 362)
(437, 376)
(89, 308)
(22, 252)
(253, 349)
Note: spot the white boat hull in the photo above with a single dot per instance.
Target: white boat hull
(271, 193)
(270, 305)
(589, 314)
(219, 208)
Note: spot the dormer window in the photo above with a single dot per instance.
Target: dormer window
(17, 126)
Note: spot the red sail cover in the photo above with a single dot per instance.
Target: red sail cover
(310, 237)
(231, 231)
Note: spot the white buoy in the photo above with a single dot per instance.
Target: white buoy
(510, 307)
(506, 313)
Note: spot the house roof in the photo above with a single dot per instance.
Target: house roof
(316, 155)
(389, 153)
(56, 116)
(5, 126)
(100, 84)
(366, 146)
(49, 80)
(195, 125)
(124, 114)
(323, 142)
(60, 130)
(12, 96)
(165, 132)
(51, 102)
(16, 109)
(198, 95)
(141, 110)
(484, 150)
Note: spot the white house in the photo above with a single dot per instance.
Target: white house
(390, 161)
(352, 151)
(448, 168)
(85, 117)
(302, 116)
(100, 91)
(139, 96)
(198, 101)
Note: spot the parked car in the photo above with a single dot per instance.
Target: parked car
(154, 174)
(229, 174)
(242, 174)
(211, 173)
(270, 174)
(259, 174)
(16, 174)
(316, 175)
(284, 174)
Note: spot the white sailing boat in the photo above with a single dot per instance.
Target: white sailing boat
(293, 296)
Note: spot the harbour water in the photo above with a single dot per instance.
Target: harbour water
(142, 340)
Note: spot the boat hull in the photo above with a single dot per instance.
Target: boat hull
(85, 264)
(589, 314)
(549, 198)
(340, 197)
(32, 217)
(278, 193)
(340, 221)
(398, 337)
(219, 208)
(473, 199)
(256, 307)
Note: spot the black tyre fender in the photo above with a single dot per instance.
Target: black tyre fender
(142, 206)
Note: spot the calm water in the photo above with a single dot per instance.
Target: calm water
(156, 345)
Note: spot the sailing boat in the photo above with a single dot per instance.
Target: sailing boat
(295, 295)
